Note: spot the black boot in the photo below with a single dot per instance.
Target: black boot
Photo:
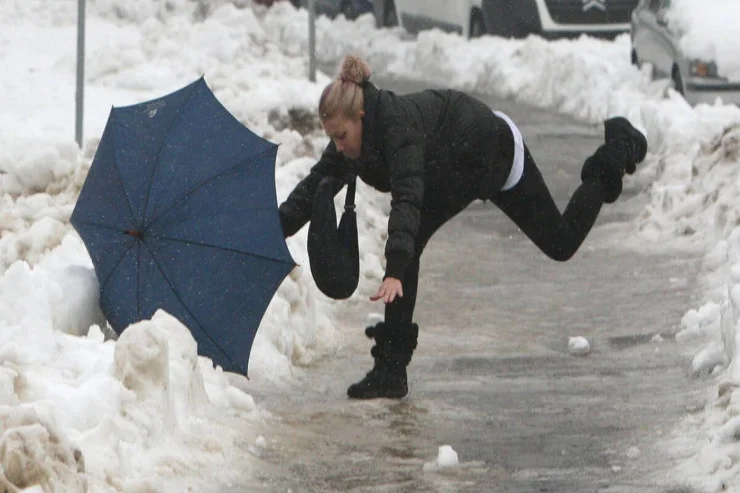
(624, 147)
(386, 379)
(392, 353)
(619, 130)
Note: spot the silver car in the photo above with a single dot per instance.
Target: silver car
(509, 18)
(351, 9)
(656, 41)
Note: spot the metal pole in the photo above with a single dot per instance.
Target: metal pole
(312, 40)
(379, 11)
(80, 97)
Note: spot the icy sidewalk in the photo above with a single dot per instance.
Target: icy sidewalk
(492, 375)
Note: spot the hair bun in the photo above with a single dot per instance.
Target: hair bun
(354, 69)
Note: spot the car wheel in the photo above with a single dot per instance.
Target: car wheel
(477, 26)
(505, 25)
(348, 10)
(635, 60)
(390, 19)
(677, 80)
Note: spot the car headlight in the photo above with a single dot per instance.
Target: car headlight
(700, 68)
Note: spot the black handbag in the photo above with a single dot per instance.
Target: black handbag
(333, 253)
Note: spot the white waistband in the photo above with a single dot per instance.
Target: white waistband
(517, 167)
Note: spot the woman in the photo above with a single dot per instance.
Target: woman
(436, 152)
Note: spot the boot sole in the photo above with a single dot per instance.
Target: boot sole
(378, 395)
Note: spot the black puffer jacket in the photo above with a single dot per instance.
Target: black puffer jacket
(435, 151)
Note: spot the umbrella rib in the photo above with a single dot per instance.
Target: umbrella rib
(110, 228)
(113, 270)
(159, 153)
(197, 186)
(227, 249)
(103, 226)
(185, 306)
(138, 280)
(120, 178)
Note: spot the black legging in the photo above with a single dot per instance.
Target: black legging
(531, 207)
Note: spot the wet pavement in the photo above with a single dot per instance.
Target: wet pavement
(492, 376)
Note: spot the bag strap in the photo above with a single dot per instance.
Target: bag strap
(349, 201)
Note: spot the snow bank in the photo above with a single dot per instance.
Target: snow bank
(142, 419)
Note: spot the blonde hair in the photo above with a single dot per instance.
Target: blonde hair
(344, 95)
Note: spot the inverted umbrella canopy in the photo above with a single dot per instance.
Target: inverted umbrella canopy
(179, 212)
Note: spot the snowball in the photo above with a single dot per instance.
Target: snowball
(633, 453)
(446, 459)
(579, 346)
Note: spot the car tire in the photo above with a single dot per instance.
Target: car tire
(477, 25)
(503, 23)
(635, 59)
(390, 18)
(677, 80)
(348, 10)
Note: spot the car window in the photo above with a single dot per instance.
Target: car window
(655, 5)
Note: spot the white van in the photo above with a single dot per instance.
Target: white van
(509, 18)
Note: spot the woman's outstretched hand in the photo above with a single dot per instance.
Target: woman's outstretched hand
(389, 290)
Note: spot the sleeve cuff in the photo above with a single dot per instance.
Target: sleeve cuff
(287, 222)
(395, 265)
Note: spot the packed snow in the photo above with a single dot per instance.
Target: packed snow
(82, 411)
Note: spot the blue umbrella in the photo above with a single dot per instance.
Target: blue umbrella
(179, 212)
